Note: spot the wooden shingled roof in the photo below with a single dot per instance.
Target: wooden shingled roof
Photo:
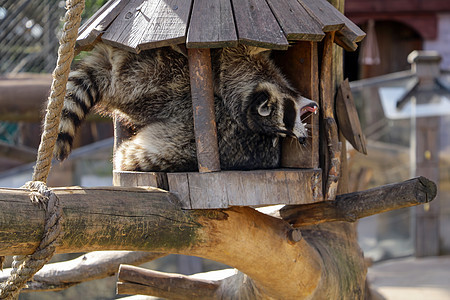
(137, 25)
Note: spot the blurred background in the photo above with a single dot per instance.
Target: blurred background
(400, 79)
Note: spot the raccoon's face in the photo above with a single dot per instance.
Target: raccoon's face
(276, 112)
(258, 95)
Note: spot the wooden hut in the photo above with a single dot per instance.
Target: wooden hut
(295, 28)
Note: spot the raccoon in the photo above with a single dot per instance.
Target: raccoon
(254, 106)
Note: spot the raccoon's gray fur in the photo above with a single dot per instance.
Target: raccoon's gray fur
(254, 105)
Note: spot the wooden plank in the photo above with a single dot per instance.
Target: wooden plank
(323, 12)
(295, 21)
(211, 25)
(207, 190)
(98, 23)
(300, 65)
(200, 72)
(247, 188)
(135, 179)
(257, 26)
(348, 33)
(179, 185)
(149, 24)
(348, 119)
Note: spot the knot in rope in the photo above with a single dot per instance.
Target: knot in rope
(25, 266)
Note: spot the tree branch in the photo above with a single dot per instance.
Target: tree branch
(353, 206)
(221, 284)
(134, 280)
(89, 266)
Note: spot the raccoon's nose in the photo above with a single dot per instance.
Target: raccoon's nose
(307, 105)
(302, 140)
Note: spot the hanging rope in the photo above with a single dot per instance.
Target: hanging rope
(58, 90)
(24, 267)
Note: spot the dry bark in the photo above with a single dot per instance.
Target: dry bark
(322, 261)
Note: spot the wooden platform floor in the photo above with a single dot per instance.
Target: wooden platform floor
(412, 278)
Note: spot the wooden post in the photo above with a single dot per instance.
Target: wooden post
(331, 147)
(200, 72)
(427, 164)
(300, 64)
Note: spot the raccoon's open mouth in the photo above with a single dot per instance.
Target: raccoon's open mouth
(309, 108)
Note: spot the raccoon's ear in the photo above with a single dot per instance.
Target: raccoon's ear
(264, 109)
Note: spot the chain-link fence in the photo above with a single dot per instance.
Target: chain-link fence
(29, 35)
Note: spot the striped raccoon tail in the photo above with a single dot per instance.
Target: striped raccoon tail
(81, 95)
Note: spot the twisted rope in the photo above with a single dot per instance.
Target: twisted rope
(24, 267)
(58, 90)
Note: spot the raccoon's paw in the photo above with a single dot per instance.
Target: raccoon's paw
(63, 146)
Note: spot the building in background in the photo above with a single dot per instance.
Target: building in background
(400, 27)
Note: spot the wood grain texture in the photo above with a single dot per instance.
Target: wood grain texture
(324, 13)
(136, 179)
(205, 129)
(246, 188)
(149, 24)
(347, 33)
(331, 147)
(257, 26)
(98, 23)
(348, 119)
(165, 285)
(211, 25)
(109, 218)
(295, 21)
(300, 64)
(353, 206)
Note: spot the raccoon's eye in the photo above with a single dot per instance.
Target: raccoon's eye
(261, 100)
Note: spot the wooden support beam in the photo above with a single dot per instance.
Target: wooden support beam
(331, 147)
(353, 206)
(200, 72)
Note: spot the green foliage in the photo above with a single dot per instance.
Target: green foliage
(90, 7)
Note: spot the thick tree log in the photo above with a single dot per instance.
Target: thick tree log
(353, 206)
(89, 266)
(151, 220)
(282, 262)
